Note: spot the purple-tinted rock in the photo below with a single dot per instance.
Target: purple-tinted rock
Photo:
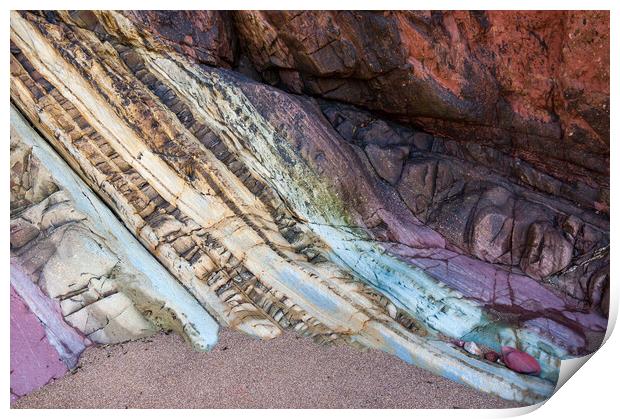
(491, 235)
(458, 342)
(388, 162)
(597, 286)
(423, 141)
(34, 361)
(568, 337)
(547, 251)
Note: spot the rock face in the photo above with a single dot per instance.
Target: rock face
(466, 77)
(530, 82)
(270, 210)
(449, 187)
(534, 85)
(75, 276)
(78, 254)
(206, 36)
(34, 361)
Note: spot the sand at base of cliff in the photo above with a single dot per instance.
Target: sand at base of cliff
(241, 372)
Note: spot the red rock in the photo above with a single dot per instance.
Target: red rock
(520, 361)
(536, 82)
(491, 356)
(34, 361)
(507, 88)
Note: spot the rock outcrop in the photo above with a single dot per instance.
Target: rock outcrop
(534, 85)
(77, 275)
(34, 360)
(440, 218)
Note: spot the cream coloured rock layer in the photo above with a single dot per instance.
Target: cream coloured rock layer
(67, 242)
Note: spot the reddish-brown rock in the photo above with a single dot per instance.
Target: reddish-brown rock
(532, 84)
(474, 211)
(491, 356)
(206, 36)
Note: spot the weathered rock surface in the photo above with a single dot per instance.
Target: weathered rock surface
(278, 211)
(491, 217)
(466, 76)
(75, 257)
(206, 36)
(82, 277)
(534, 85)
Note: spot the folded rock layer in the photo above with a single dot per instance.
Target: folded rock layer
(278, 211)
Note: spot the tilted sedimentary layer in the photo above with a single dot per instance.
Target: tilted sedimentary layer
(274, 211)
(64, 239)
(78, 271)
(525, 86)
(530, 84)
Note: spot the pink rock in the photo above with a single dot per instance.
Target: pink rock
(520, 361)
(458, 342)
(34, 361)
(491, 356)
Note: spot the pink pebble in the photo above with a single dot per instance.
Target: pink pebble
(458, 342)
(520, 361)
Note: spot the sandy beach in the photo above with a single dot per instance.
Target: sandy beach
(288, 372)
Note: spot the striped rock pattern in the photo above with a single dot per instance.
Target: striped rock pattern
(78, 272)
(218, 192)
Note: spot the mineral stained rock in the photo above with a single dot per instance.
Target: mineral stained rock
(531, 84)
(519, 361)
(444, 219)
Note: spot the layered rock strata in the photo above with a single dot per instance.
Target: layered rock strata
(77, 274)
(532, 85)
(548, 134)
(277, 211)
